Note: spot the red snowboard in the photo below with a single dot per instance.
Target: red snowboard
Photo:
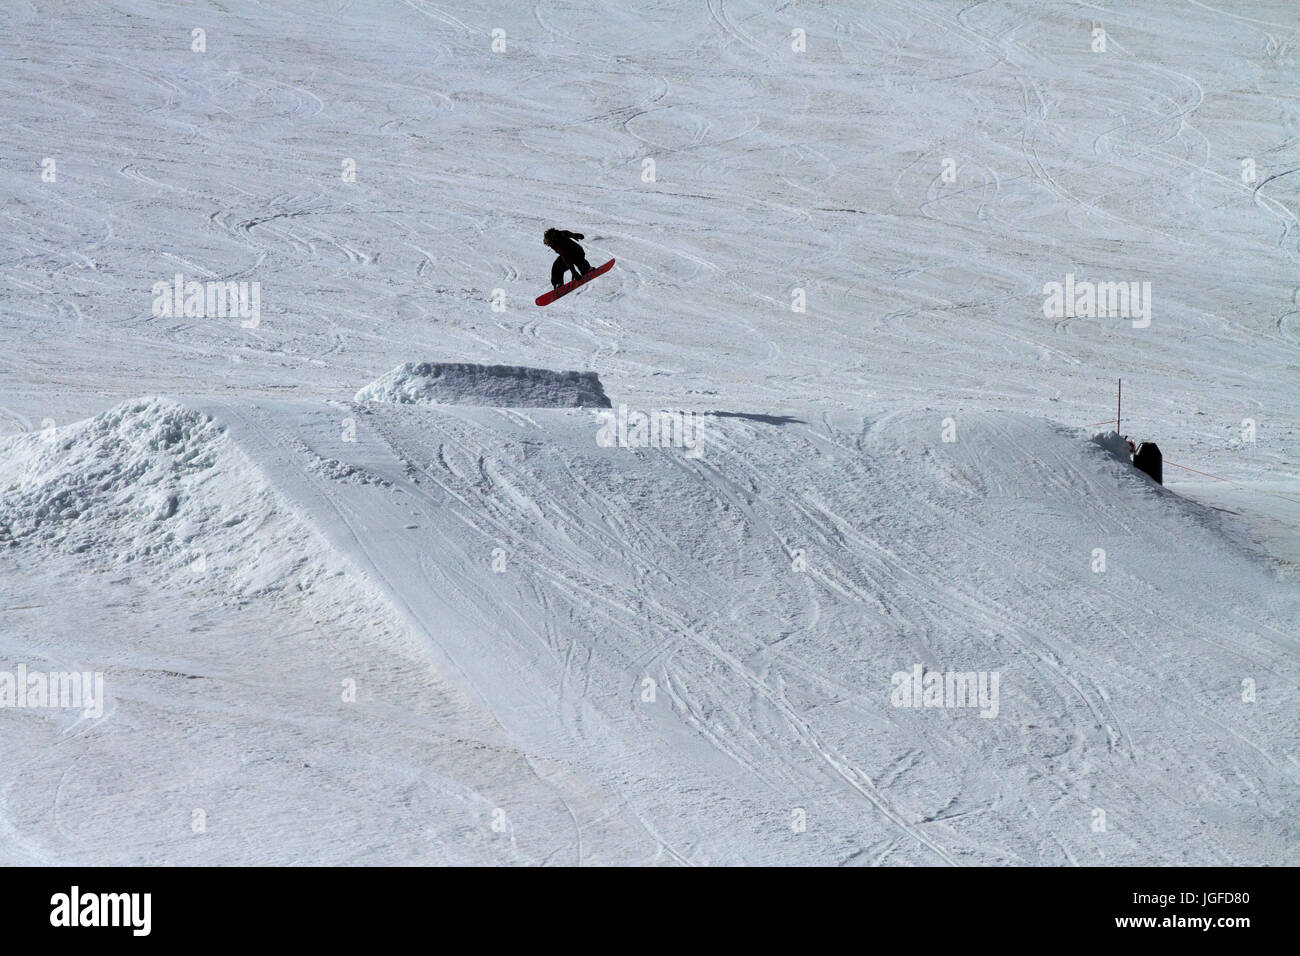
(547, 298)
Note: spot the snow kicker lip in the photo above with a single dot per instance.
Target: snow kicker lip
(467, 383)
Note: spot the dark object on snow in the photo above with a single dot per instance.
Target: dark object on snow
(1148, 460)
(569, 255)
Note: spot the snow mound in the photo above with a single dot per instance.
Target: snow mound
(134, 464)
(336, 470)
(156, 486)
(792, 569)
(1116, 444)
(508, 386)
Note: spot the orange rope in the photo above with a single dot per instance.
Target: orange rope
(1260, 491)
(1275, 494)
(1205, 473)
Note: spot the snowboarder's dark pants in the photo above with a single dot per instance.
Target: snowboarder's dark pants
(581, 267)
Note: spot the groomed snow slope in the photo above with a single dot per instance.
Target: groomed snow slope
(552, 577)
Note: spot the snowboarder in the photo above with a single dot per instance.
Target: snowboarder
(568, 255)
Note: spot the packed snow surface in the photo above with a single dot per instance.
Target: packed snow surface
(432, 622)
(444, 383)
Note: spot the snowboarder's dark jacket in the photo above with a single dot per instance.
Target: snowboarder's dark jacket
(563, 245)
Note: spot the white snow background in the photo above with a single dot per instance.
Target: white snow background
(441, 620)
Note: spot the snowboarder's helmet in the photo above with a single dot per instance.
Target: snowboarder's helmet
(550, 237)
